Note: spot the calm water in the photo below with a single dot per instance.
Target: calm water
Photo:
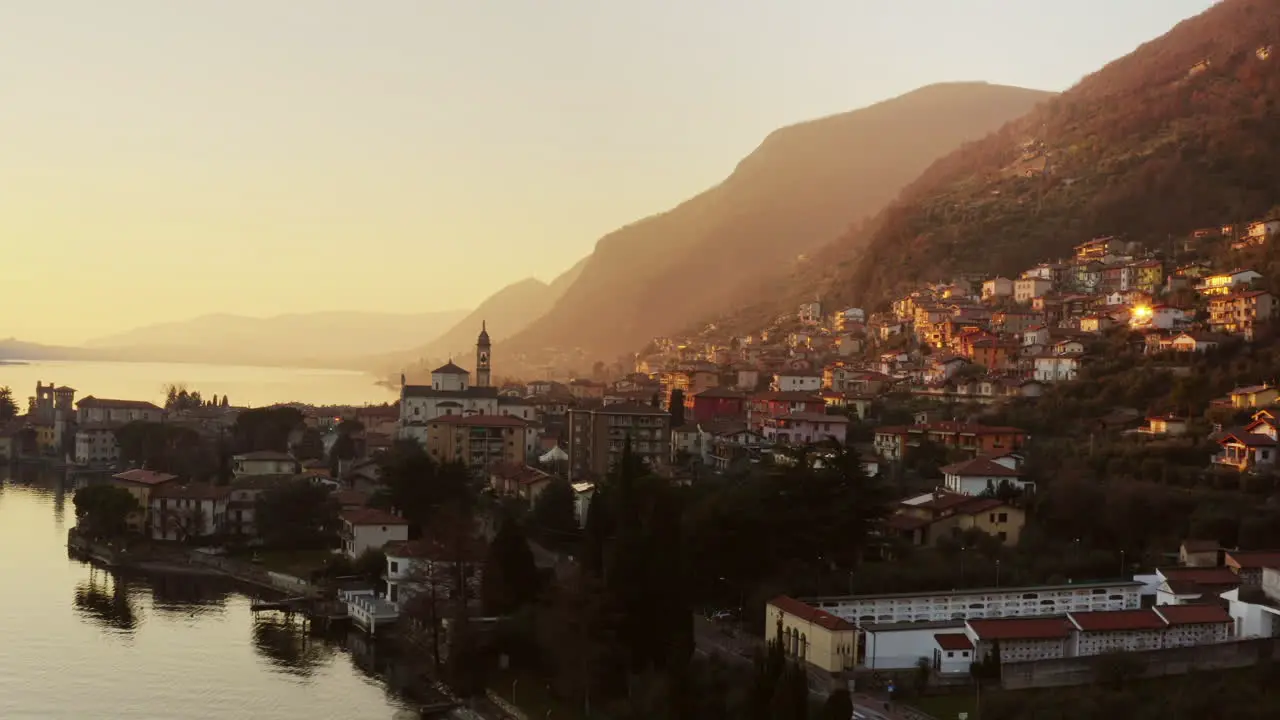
(78, 642)
(251, 386)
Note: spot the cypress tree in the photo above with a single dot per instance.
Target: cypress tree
(510, 576)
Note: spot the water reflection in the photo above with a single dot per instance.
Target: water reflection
(193, 595)
(104, 599)
(284, 641)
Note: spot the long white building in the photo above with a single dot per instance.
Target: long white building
(960, 605)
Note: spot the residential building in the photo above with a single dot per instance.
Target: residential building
(370, 529)
(1228, 282)
(1027, 289)
(1240, 313)
(242, 503)
(811, 635)
(805, 428)
(715, 403)
(431, 566)
(597, 437)
(985, 474)
(1057, 368)
(187, 512)
(798, 382)
(810, 313)
(263, 462)
(519, 481)
(1165, 426)
(140, 484)
(996, 288)
(892, 442)
(96, 444)
(99, 410)
(479, 442)
(928, 518)
(1254, 396)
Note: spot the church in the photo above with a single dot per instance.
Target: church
(451, 392)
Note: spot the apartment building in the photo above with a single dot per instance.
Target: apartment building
(598, 435)
(480, 442)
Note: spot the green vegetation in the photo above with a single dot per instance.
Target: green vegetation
(299, 515)
(8, 406)
(102, 511)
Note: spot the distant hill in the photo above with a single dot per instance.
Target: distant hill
(15, 349)
(802, 187)
(1182, 133)
(506, 313)
(303, 338)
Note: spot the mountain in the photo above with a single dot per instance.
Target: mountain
(505, 313)
(15, 349)
(304, 338)
(1180, 134)
(799, 189)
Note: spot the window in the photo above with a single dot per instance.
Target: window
(1004, 517)
(950, 654)
(395, 566)
(1002, 535)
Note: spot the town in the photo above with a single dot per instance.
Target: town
(974, 547)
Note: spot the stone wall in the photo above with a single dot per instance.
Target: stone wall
(1153, 663)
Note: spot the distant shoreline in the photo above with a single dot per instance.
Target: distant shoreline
(13, 362)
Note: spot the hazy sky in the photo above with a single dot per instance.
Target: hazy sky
(161, 159)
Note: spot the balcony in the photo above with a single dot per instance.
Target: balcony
(1229, 458)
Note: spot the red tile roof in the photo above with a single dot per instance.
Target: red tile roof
(1020, 628)
(1201, 575)
(372, 516)
(1117, 620)
(953, 641)
(194, 491)
(979, 467)
(821, 618)
(1254, 559)
(144, 477)
(1194, 614)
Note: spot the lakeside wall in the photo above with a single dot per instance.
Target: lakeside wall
(1063, 672)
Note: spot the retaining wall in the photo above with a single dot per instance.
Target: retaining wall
(1152, 663)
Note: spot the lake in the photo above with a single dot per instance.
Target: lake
(245, 385)
(82, 642)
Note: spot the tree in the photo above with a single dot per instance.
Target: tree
(839, 706)
(417, 486)
(310, 446)
(265, 428)
(297, 515)
(8, 406)
(103, 511)
(554, 516)
(371, 565)
(676, 407)
(791, 694)
(166, 447)
(510, 579)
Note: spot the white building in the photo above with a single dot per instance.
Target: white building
(976, 476)
(798, 382)
(997, 288)
(370, 529)
(430, 566)
(1027, 289)
(1057, 368)
(96, 444)
(805, 428)
(982, 602)
(263, 462)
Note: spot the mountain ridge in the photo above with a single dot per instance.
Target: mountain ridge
(800, 187)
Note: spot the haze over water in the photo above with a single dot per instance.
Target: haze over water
(82, 643)
(245, 385)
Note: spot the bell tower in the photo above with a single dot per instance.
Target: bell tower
(482, 357)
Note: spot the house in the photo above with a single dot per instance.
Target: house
(794, 381)
(1239, 313)
(778, 403)
(263, 462)
(928, 518)
(370, 529)
(748, 379)
(1200, 553)
(141, 484)
(892, 442)
(985, 474)
(519, 481)
(718, 402)
(810, 313)
(995, 288)
(1187, 342)
(954, 653)
(805, 428)
(1165, 425)
(1227, 283)
(811, 635)
(1246, 451)
(1056, 368)
(242, 503)
(1162, 317)
(1027, 289)
(1254, 396)
(432, 566)
(185, 512)
(1095, 323)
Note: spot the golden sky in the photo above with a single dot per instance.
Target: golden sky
(161, 160)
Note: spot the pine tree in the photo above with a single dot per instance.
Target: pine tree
(676, 407)
(510, 578)
(791, 694)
